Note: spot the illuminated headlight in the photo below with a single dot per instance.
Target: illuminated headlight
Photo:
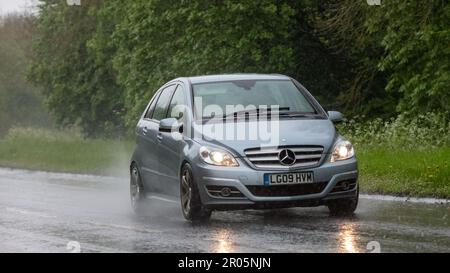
(217, 157)
(342, 150)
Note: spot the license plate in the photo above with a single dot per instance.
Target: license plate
(288, 178)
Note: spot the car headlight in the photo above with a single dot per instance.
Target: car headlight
(342, 150)
(217, 157)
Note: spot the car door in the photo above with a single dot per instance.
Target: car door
(170, 150)
(150, 130)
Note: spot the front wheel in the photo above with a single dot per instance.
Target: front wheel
(191, 204)
(344, 207)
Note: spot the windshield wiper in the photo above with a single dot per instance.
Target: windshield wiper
(281, 112)
(297, 114)
(257, 111)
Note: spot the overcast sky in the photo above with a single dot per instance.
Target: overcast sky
(9, 6)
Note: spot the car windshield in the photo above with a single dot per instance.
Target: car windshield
(221, 99)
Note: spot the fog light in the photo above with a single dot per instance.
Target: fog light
(345, 185)
(225, 192)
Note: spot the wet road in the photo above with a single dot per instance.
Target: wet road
(43, 212)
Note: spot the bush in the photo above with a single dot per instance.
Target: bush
(424, 131)
(43, 134)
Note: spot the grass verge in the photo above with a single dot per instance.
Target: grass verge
(405, 172)
(38, 149)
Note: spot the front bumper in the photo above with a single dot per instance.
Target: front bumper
(244, 177)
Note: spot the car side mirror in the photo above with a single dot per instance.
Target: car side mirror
(335, 116)
(170, 125)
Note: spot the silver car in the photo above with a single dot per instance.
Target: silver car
(241, 141)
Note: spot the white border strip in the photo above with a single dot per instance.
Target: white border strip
(405, 199)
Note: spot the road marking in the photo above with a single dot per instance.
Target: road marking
(161, 199)
(28, 212)
(24, 174)
(145, 230)
(43, 215)
(59, 243)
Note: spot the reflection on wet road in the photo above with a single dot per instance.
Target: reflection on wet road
(43, 212)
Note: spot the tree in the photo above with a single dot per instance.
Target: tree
(160, 40)
(398, 52)
(417, 59)
(99, 63)
(79, 84)
(20, 103)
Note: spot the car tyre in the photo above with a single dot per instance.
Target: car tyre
(137, 194)
(191, 204)
(343, 207)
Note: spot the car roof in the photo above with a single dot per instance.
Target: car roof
(236, 77)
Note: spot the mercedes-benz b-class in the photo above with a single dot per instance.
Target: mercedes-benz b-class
(241, 141)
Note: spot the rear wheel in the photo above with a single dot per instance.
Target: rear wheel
(137, 195)
(191, 204)
(344, 207)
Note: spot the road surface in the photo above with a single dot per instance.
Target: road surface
(51, 212)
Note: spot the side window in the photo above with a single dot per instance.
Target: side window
(163, 102)
(150, 109)
(178, 104)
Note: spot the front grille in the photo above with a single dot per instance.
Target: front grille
(267, 158)
(288, 190)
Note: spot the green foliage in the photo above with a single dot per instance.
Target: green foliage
(63, 151)
(99, 63)
(344, 30)
(416, 40)
(402, 155)
(420, 172)
(399, 54)
(78, 82)
(423, 132)
(205, 37)
(115, 54)
(20, 103)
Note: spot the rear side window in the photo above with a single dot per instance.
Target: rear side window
(178, 104)
(150, 109)
(163, 102)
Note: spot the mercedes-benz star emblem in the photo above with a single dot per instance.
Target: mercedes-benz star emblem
(286, 157)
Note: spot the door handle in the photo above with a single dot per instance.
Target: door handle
(145, 130)
(159, 137)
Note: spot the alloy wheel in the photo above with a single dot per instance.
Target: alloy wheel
(186, 191)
